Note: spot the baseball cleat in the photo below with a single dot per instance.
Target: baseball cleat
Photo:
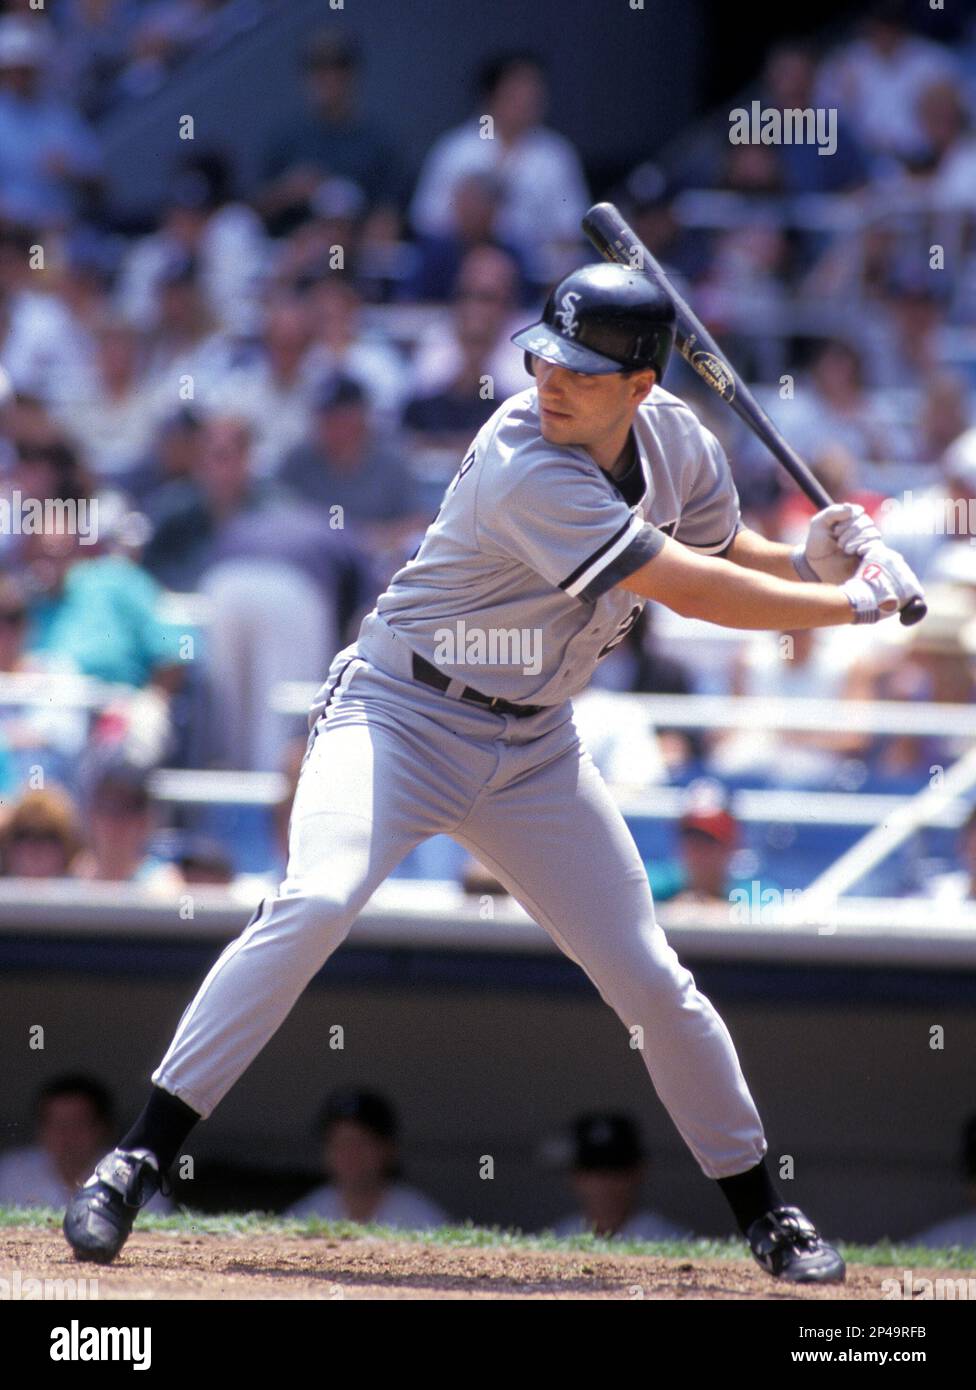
(788, 1246)
(100, 1214)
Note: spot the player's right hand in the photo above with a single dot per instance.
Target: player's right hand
(882, 585)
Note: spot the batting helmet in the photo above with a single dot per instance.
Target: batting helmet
(603, 318)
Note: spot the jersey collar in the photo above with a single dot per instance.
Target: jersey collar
(645, 472)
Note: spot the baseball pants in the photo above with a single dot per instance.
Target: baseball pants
(390, 762)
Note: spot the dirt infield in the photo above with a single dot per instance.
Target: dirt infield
(183, 1266)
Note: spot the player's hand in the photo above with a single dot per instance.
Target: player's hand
(838, 536)
(883, 585)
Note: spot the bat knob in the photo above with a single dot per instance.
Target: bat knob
(913, 612)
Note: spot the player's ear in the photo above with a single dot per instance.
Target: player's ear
(641, 382)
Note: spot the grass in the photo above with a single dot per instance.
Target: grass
(471, 1237)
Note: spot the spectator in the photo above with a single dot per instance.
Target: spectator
(358, 1133)
(544, 191)
(649, 197)
(274, 599)
(199, 858)
(877, 79)
(205, 226)
(118, 823)
(485, 301)
(788, 82)
(188, 356)
(931, 662)
(344, 469)
(333, 221)
(97, 613)
(949, 181)
(43, 349)
(39, 835)
(708, 836)
(943, 417)
(74, 1123)
(476, 209)
(112, 420)
(271, 390)
(450, 416)
(331, 139)
(95, 36)
(48, 731)
(280, 578)
(187, 515)
(49, 159)
(958, 1230)
(341, 345)
(608, 1169)
(806, 664)
(172, 458)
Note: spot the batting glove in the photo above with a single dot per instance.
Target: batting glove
(837, 536)
(883, 585)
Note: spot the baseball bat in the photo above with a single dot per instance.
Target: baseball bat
(617, 241)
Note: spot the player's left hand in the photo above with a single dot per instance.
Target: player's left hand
(837, 538)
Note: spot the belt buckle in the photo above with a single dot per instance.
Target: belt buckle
(495, 699)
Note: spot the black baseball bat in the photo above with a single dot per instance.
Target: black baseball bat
(617, 241)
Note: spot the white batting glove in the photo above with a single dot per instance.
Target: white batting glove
(883, 585)
(838, 534)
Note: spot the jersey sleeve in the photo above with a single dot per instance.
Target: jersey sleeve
(710, 516)
(563, 520)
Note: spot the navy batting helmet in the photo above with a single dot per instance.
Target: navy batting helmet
(600, 319)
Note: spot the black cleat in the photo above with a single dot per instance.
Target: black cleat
(787, 1245)
(100, 1214)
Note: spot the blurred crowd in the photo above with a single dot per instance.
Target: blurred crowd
(261, 391)
(599, 1163)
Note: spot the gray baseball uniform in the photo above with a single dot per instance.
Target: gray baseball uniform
(512, 594)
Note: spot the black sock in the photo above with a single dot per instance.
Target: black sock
(750, 1194)
(161, 1128)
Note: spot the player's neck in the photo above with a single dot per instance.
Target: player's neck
(618, 457)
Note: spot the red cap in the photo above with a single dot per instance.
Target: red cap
(718, 825)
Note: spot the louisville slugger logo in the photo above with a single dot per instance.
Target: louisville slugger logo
(871, 572)
(715, 372)
(566, 313)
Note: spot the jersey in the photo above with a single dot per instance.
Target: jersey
(513, 589)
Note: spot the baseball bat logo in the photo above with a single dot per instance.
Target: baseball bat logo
(715, 372)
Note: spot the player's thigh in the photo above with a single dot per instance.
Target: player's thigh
(559, 843)
(371, 787)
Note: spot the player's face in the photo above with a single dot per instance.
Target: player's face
(578, 409)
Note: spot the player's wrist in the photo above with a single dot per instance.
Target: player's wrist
(802, 565)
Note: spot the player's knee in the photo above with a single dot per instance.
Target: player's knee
(332, 908)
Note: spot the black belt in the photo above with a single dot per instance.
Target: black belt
(429, 675)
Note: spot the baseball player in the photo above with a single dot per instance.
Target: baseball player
(582, 497)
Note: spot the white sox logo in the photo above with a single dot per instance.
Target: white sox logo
(567, 313)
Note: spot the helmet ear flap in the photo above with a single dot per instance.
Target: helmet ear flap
(528, 361)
